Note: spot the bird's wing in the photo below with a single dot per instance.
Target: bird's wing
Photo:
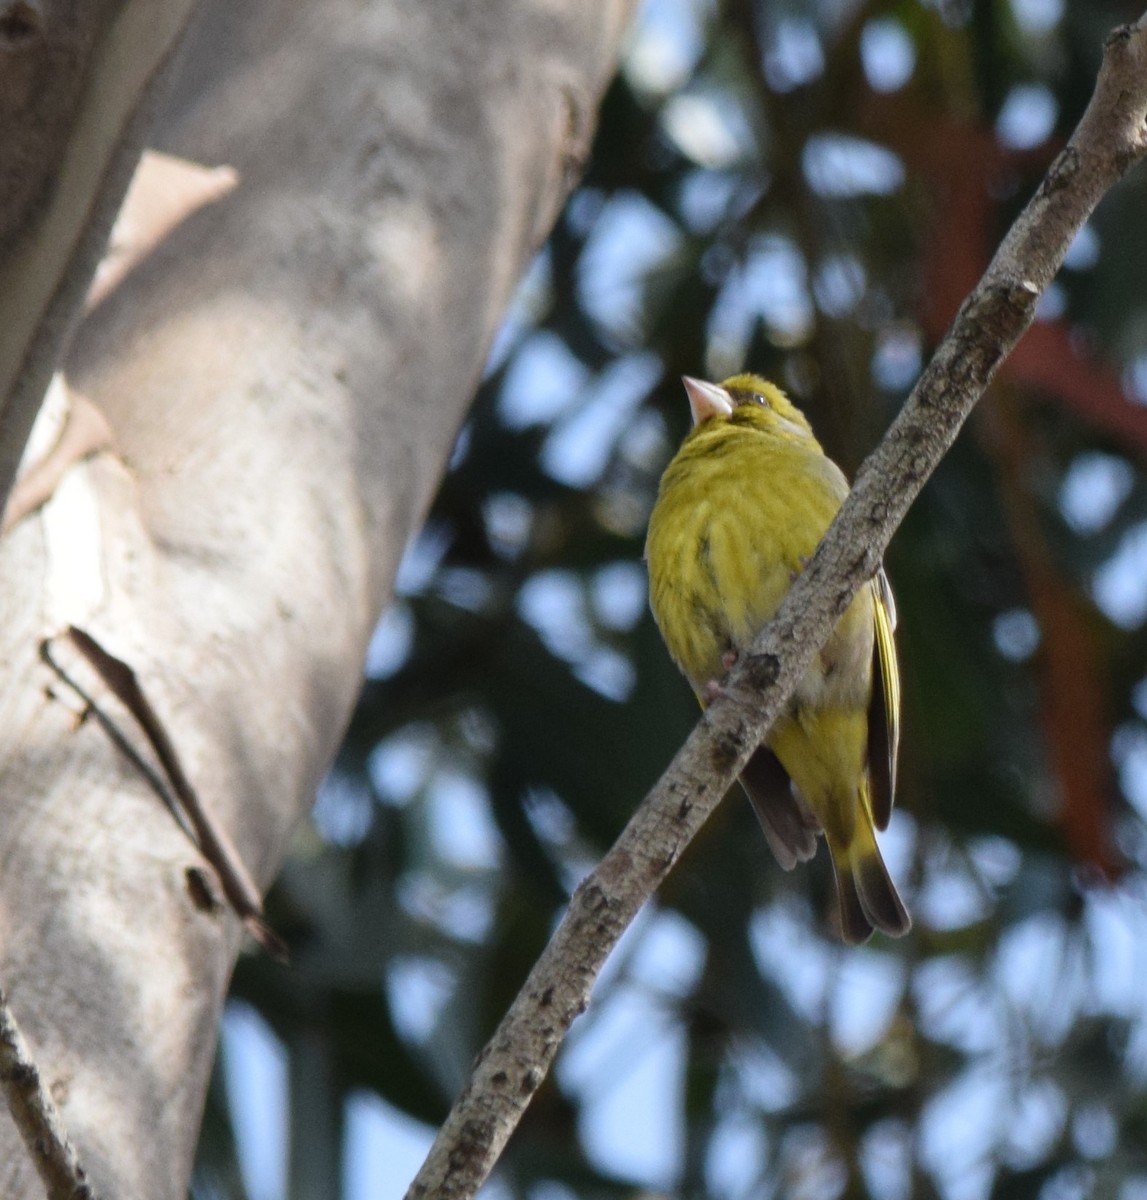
(884, 708)
(788, 824)
(831, 477)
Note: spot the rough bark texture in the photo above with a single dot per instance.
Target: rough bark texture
(283, 377)
(1111, 137)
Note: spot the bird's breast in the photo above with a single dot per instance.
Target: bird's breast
(733, 525)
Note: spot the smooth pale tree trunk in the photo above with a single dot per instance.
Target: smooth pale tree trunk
(284, 375)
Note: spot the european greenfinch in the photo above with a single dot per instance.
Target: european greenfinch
(740, 511)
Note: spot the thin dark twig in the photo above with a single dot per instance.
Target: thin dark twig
(95, 710)
(213, 840)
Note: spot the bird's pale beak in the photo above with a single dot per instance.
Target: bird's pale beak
(706, 399)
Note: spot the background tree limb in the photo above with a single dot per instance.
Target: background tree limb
(284, 378)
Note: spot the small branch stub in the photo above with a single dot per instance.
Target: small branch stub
(36, 1115)
(21, 24)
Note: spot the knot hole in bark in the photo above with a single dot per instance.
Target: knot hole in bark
(21, 22)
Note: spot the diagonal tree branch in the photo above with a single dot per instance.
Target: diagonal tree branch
(1110, 138)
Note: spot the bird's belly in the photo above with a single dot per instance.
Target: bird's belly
(840, 676)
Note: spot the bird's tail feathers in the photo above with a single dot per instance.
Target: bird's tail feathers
(868, 897)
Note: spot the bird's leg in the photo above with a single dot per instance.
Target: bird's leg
(804, 560)
(716, 687)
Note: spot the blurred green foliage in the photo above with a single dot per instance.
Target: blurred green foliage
(805, 188)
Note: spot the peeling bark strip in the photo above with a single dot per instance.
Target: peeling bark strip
(212, 839)
(85, 432)
(81, 86)
(1111, 136)
(36, 1115)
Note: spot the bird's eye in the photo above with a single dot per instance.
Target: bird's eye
(759, 399)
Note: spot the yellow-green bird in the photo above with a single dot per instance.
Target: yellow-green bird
(740, 511)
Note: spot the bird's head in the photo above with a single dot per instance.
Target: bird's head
(747, 400)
